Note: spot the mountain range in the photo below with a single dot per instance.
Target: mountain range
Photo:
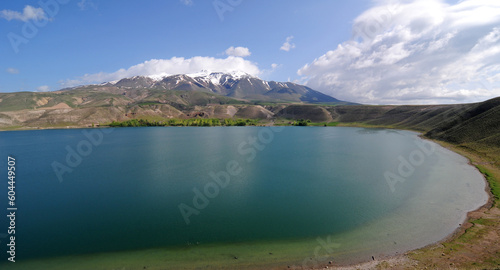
(205, 94)
(238, 85)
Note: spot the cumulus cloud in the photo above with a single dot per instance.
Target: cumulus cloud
(164, 67)
(29, 13)
(420, 52)
(238, 51)
(43, 88)
(287, 46)
(12, 70)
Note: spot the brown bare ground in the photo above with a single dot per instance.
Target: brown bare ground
(61, 105)
(42, 101)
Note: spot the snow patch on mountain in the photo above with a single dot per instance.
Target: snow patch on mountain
(216, 78)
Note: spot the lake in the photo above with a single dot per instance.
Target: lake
(229, 197)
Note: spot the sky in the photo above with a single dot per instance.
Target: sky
(365, 51)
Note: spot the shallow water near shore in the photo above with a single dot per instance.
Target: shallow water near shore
(240, 197)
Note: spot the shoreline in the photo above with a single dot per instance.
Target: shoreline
(405, 260)
(47, 128)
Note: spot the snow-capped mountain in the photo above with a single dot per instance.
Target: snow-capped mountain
(238, 85)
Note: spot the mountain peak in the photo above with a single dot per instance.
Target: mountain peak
(235, 74)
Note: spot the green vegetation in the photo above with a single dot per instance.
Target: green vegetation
(13, 128)
(210, 122)
(494, 185)
(324, 124)
(197, 122)
(301, 123)
(484, 221)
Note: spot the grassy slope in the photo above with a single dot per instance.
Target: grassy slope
(96, 97)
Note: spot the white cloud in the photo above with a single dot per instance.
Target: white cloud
(187, 2)
(421, 52)
(43, 88)
(85, 4)
(238, 51)
(13, 70)
(175, 65)
(29, 13)
(287, 46)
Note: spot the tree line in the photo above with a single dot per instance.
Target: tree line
(197, 122)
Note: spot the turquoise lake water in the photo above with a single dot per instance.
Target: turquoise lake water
(96, 191)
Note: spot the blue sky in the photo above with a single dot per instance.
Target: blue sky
(374, 52)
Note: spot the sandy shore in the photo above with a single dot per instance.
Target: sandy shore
(396, 262)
